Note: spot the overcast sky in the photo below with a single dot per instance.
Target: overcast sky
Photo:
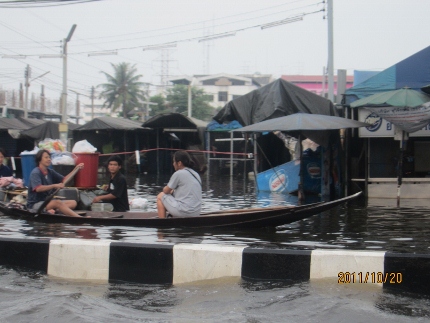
(368, 35)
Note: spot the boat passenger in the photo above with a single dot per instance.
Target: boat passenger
(182, 196)
(43, 182)
(4, 170)
(117, 188)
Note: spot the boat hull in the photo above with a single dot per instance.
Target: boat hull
(246, 218)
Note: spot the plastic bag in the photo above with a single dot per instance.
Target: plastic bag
(32, 152)
(85, 200)
(64, 158)
(138, 203)
(83, 146)
(52, 145)
(11, 182)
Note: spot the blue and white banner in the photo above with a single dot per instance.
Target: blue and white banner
(383, 121)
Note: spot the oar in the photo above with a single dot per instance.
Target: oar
(50, 197)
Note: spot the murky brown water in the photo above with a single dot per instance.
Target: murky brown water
(362, 225)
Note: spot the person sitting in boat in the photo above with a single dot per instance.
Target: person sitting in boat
(43, 180)
(182, 196)
(117, 188)
(4, 170)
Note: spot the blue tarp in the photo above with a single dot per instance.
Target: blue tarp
(215, 126)
(412, 72)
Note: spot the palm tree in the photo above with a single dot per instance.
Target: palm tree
(123, 88)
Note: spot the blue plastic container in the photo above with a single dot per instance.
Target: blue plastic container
(28, 163)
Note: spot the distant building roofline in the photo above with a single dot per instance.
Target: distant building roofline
(311, 78)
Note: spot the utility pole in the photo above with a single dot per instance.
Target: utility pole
(27, 75)
(92, 102)
(77, 108)
(330, 68)
(189, 101)
(63, 126)
(147, 104)
(42, 99)
(21, 96)
(64, 94)
(78, 103)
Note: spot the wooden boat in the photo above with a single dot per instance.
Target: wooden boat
(243, 218)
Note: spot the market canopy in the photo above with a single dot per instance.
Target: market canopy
(174, 120)
(48, 129)
(15, 124)
(412, 72)
(303, 121)
(31, 122)
(277, 99)
(110, 123)
(312, 126)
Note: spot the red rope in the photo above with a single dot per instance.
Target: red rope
(171, 149)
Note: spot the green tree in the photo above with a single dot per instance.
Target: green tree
(161, 106)
(123, 88)
(177, 98)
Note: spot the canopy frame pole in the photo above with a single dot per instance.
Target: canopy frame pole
(208, 149)
(300, 191)
(231, 153)
(367, 167)
(400, 169)
(158, 154)
(254, 137)
(246, 155)
(125, 148)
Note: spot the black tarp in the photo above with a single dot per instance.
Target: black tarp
(106, 123)
(31, 122)
(48, 129)
(18, 123)
(10, 130)
(174, 120)
(277, 99)
(175, 131)
(115, 135)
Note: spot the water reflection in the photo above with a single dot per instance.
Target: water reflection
(360, 225)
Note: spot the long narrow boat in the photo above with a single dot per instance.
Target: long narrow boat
(243, 218)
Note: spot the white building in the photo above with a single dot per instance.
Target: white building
(94, 111)
(224, 87)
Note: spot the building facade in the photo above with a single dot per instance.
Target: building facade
(316, 83)
(223, 87)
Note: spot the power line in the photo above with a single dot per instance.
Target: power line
(39, 3)
(214, 19)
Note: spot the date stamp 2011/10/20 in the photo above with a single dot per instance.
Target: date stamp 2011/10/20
(369, 277)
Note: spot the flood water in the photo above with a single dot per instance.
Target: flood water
(361, 225)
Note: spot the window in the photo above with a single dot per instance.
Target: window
(222, 96)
